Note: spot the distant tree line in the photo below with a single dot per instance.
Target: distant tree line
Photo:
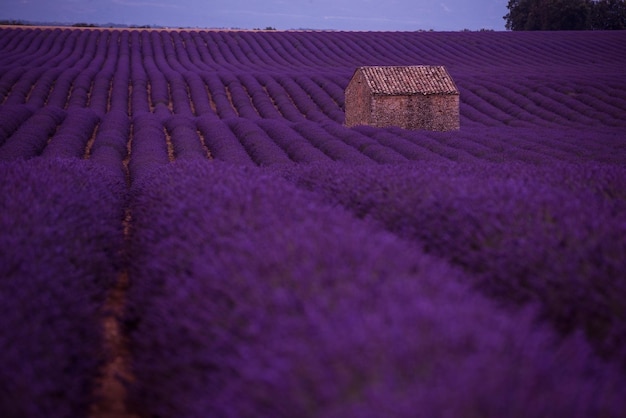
(11, 22)
(566, 15)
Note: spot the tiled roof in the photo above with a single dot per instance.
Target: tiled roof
(406, 80)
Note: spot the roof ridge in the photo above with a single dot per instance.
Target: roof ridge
(408, 79)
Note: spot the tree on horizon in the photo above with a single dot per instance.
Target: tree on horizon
(566, 15)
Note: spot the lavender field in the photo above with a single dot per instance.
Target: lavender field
(260, 259)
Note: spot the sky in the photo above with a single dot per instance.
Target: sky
(367, 15)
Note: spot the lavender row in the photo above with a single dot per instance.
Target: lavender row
(30, 139)
(191, 50)
(544, 146)
(149, 147)
(252, 297)
(165, 63)
(153, 83)
(49, 46)
(256, 143)
(110, 146)
(204, 94)
(83, 57)
(52, 131)
(600, 109)
(21, 83)
(239, 97)
(19, 41)
(72, 137)
(61, 223)
(280, 98)
(11, 118)
(552, 235)
(265, 142)
(270, 141)
(187, 141)
(262, 102)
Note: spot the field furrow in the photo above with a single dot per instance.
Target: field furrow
(191, 74)
(189, 229)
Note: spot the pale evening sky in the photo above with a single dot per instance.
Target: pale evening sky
(371, 15)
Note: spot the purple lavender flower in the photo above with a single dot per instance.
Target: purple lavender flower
(252, 297)
(61, 238)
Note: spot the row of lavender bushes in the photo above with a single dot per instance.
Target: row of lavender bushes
(26, 132)
(119, 76)
(218, 74)
(235, 50)
(263, 292)
(237, 306)
(553, 235)
(61, 223)
(253, 297)
(207, 76)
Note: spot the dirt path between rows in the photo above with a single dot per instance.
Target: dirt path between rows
(110, 391)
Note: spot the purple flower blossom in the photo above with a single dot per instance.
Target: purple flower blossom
(282, 264)
(252, 297)
(59, 254)
(526, 233)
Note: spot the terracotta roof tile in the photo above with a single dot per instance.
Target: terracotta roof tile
(407, 80)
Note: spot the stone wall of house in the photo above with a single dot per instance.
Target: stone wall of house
(373, 105)
(358, 102)
(431, 112)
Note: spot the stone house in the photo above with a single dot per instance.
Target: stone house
(411, 97)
